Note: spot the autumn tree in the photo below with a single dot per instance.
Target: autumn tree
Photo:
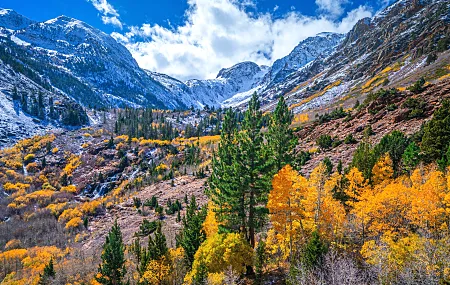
(286, 208)
(112, 269)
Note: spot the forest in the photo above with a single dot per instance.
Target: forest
(382, 219)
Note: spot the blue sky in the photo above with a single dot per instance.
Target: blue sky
(196, 38)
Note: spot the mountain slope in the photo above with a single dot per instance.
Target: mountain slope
(304, 53)
(391, 49)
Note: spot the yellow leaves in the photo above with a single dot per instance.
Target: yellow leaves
(74, 223)
(69, 189)
(91, 208)
(301, 118)
(73, 162)
(13, 254)
(28, 158)
(429, 202)
(210, 225)
(56, 209)
(221, 251)
(161, 168)
(356, 182)
(69, 214)
(38, 257)
(156, 272)
(298, 206)
(382, 170)
(10, 187)
(392, 253)
(216, 278)
(286, 201)
(41, 197)
(150, 142)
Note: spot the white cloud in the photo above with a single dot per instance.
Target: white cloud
(332, 7)
(220, 33)
(109, 14)
(112, 20)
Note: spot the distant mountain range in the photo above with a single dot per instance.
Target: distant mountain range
(70, 65)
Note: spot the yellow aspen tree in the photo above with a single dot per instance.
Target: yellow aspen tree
(285, 204)
(356, 185)
(428, 203)
(316, 194)
(210, 225)
(383, 170)
(333, 212)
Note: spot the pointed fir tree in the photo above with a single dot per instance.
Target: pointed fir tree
(224, 183)
(255, 171)
(112, 269)
(192, 235)
(48, 274)
(280, 137)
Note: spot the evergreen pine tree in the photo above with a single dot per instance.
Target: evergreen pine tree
(255, 171)
(48, 274)
(52, 107)
(314, 251)
(411, 156)
(436, 137)
(192, 234)
(224, 182)
(112, 269)
(280, 137)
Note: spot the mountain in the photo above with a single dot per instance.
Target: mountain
(308, 50)
(305, 52)
(393, 49)
(12, 20)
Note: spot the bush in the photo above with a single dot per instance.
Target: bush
(349, 139)
(28, 158)
(416, 107)
(417, 87)
(147, 227)
(431, 58)
(334, 115)
(391, 107)
(324, 142)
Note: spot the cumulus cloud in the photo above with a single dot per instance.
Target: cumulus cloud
(109, 14)
(221, 33)
(334, 8)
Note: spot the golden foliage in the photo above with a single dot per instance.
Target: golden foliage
(69, 189)
(73, 162)
(220, 252)
(157, 271)
(74, 223)
(210, 225)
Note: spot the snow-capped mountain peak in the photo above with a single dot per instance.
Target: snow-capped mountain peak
(10, 19)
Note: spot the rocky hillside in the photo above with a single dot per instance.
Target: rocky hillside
(406, 36)
(383, 113)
